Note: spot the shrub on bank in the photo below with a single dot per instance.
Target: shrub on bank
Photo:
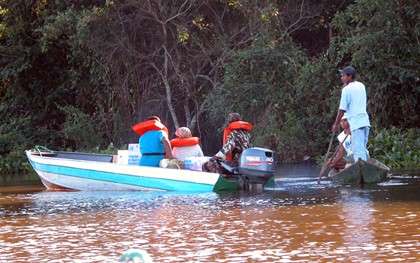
(14, 163)
(397, 148)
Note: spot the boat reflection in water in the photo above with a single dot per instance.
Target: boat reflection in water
(358, 236)
(298, 220)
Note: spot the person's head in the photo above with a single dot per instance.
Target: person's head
(233, 116)
(154, 117)
(348, 74)
(183, 132)
(344, 123)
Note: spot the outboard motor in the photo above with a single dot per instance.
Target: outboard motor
(256, 165)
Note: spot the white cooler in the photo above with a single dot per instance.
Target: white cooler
(130, 156)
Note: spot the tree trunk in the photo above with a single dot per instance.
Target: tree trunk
(168, 91)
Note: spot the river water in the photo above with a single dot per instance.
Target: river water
(297, 221)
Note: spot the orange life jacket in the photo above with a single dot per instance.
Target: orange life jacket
(184, 142)
(236, 125)
(150, 125)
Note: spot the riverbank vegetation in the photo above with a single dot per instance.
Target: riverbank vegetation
(399, 149)
(77, 74)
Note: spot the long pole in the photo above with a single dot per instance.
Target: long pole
(326, 157)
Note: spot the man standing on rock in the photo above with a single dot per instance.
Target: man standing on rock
(353, 102)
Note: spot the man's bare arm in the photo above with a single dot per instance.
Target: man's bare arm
(336, 124)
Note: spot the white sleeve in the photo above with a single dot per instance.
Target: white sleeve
(347, 143)
(341, 137)
(343, 100)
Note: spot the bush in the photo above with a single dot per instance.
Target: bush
(381, 39)
(15, 136)
(14, 163)
(291, 100)
(259, 84)
(80, 129)
(397, 148)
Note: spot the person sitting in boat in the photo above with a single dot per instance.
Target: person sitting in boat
(153, 141)
(185, 145)
(186, 151)
(236, 138)
(343, 154)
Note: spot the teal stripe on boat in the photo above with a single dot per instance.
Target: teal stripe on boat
(147, 182)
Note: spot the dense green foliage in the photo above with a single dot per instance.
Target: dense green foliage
(383, 40)
(295, 97)
(396, 148)
(78, 74)
(287, 96)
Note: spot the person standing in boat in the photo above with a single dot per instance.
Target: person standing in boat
(153, 141)
(236, 138)
(353, 102)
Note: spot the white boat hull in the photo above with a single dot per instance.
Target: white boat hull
(94, 175)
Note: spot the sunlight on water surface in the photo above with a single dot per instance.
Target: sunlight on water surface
(297, 221)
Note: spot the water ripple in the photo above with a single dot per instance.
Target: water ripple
(298, 224)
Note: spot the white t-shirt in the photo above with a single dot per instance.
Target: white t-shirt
(353, 101)
(181, 153)
(347, 142)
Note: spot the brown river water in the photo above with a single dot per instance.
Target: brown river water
(297, 221)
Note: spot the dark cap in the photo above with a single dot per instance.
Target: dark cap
(349, 70)
(233, 116)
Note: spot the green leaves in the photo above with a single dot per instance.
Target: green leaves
(81, 72)
(80, 128)
(283, 93)
(398, 148)
(379, 38)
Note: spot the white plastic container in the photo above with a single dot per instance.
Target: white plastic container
(122, 157)
(195, 163)
(134, 154)
(130, 156)
(133, 159)
(133, 149)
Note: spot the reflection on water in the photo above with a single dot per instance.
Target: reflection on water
(298, 221)
(358, 217)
